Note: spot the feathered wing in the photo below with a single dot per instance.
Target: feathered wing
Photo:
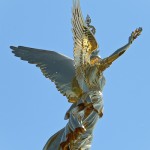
(58, 68)
(84, 42)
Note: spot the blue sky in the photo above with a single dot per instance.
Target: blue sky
(31, 109)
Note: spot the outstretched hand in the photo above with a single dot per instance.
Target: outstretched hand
(135, 34)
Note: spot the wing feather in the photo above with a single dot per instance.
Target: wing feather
(58, 68)
(84, 42)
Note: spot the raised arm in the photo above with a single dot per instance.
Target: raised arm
(108, 60)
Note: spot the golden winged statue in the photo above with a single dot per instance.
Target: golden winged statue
(80, 79)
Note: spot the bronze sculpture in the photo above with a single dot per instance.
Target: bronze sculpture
(82, 83)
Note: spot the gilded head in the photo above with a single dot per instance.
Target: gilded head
(95, 58)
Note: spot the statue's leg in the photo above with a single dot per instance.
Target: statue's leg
(81, 124)
(82, 118)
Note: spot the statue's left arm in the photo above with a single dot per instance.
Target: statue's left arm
(108, 60)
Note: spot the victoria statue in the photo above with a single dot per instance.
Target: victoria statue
(80, 79)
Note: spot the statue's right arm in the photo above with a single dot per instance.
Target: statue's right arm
(108, 60)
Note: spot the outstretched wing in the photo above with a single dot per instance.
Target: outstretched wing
(84, 42)
(58, 68)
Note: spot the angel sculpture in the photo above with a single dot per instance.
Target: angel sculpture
(81, 80)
